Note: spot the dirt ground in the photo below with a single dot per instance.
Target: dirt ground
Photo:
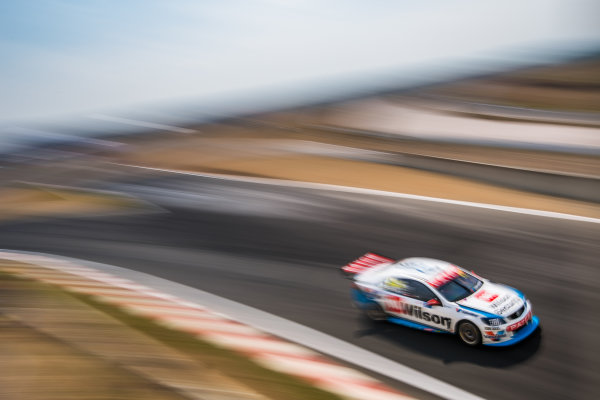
(42, 201)
(265, 157)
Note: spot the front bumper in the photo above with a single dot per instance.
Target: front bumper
(518, 335)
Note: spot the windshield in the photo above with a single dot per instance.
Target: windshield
(460, 287)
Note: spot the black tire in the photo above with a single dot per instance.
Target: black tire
(374, 312)
(469, 334)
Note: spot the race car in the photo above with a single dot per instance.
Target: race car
(437, 296)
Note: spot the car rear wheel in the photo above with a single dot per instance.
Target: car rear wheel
(374, 312)
(469, 334)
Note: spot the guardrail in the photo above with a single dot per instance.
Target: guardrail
(572, 186)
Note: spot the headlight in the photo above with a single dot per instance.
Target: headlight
(493, 321)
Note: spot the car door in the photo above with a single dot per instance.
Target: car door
(408, 299)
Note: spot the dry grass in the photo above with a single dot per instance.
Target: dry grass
(44, 367)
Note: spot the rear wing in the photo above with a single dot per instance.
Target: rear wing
(364, 263)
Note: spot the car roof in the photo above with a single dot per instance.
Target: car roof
(424, 269)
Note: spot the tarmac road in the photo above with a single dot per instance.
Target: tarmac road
(279, 249)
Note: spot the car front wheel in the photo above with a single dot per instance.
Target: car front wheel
(469, 334)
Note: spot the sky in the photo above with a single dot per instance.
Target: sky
(63, 57)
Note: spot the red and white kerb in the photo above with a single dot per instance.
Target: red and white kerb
(266, 349)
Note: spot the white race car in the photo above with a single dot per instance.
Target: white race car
(437, 296)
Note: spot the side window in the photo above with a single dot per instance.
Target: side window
(408, 288)
(420, 292)
(395, 285)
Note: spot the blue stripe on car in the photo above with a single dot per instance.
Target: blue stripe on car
(517, 292)
(519, 335)
(360, 297)
(482, 313)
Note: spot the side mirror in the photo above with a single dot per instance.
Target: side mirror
(433, 302)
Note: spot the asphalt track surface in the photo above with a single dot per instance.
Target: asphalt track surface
(279, 249)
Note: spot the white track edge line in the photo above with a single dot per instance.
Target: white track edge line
(375, 192)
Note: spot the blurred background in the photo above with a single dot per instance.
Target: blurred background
(144, 134)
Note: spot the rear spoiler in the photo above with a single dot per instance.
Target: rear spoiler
(364, 263)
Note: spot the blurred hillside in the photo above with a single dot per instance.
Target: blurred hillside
(549, 108)
(569, 86)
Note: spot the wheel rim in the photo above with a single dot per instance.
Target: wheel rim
(468, 333)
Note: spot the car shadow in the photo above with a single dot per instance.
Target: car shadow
(448, 348)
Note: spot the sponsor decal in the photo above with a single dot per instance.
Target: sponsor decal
(501, 300)
(492, 334)
(520, 324)
(394, 284)
(500, 308)
(394, 304)
(486, 296)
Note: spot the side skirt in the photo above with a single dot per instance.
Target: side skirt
(415, 325)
